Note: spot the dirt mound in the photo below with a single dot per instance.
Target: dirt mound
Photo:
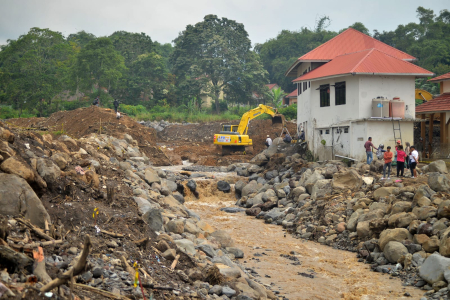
(83, 121)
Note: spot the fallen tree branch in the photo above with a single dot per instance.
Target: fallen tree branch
(116, 235)
(37, 244)
(15, 260)
(35, 229)
(152, 286)
(100, 292)
(74, 271)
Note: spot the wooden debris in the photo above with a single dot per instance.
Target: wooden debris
(74, 271)
(100, 292)
(15, 260)
(35, 245)
(113, 234)
(35, 229)
(174, 264)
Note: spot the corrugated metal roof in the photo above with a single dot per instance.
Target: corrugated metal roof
(370, 61)
(440, 78)
(441, 103)
(350, 41)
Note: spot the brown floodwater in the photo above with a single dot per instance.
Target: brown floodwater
(337, 274)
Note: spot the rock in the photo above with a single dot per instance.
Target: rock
(340, 227)
(433, 268)
(394, 250)
(48, 170)
(401, 220)
(238, 253)
(347, 180)
(254, 211)
(151, 176)
(205, 227)
(223, 186)
(401, 206)
(223, 238)
(273, 214)
(246, 290)
(169, 254)
(376, 166)
(191, 227)
(97, 272)
(383, 192)
(175, 226)
(14, 166)
(215, 290)
(321, 188)
(420, 238)
(151, 213)
(238, 186)
(353, 221)
(439, 182)
(250, 188)
(431, 245)
(444, 247)
(425, 212)
(229, 292)
(179, 197)
(232, 210)
(186, 246)
(363, 229)
(192, 185)
(18, 198)
(260, 159)
(313, 178)
(6, 151)
(444, 209)
(272, 150)
(170, 185)
(208, 250)
(438, 166)
(72, 250)
(397, 234)
(112, 244)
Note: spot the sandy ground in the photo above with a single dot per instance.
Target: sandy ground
(337, 274)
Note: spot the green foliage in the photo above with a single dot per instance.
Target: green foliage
(214, 56)
(289, 112)
(276, 96)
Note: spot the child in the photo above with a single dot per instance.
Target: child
(387, 162)
(380, 151)
(413, 160)
(401, 155)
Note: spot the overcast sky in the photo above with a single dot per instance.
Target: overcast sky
(162, 20)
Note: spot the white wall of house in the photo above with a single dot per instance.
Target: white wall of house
(360, 90)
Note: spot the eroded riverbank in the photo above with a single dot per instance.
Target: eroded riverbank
(337, 274)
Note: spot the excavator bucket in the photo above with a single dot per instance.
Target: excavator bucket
(278, 119)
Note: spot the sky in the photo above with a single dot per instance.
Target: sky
(163, 20)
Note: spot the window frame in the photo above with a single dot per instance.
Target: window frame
(340, 93)
(324, 95)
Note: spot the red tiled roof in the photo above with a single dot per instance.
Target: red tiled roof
(441, 103)
(271, 85)
(440, 78)
(370, 61)
(350, 41)
(292, 94)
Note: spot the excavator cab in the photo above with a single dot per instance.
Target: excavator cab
(229, 128)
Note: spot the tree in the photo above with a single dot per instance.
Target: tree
(32, 68)
(81, 38)
(131, 45)
(358, 26)
(276, 97)
(215, 54)
(98, 63)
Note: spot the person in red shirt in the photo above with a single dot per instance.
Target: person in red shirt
(368, 145)
(388, 155)
(401, 156)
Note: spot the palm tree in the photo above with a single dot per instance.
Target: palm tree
(276, 97)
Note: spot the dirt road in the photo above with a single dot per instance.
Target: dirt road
(337, 274)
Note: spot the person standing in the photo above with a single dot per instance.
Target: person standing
(369, 151)
(401, 155)
(407, 150)
(268, 141)
(387, 162)
(116, 105)
(96, 102)
(413, 160)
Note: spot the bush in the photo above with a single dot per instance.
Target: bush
(289, 112)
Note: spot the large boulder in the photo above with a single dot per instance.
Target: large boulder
(223, 238)
(321, 188)
(433, 268)
(223, 186)
(401, 220)
(151, 213)
(238, 186)
(394, 250)
(396, 234)
(186, 246)
(272, 150)
(347, 180)
(401, 206)
(260, 159)
(14, 166)
(438, 166)
(48, 170)
(439, 182)
(18, 198)
(376, 166)
(151, 176)
(383, 192)
(6, 151)
(176, 226)
(425, 212)
(314, 178)
(250, 188)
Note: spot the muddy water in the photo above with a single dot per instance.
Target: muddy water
(337, 274)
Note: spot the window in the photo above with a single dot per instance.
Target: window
(327, 131)
(324, 95)
(321, 132)
(309, 83)
(305, 86)
(346, 130)
(339, 91)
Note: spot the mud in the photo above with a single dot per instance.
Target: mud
(269, 252)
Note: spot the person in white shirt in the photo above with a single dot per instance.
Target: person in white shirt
(413, 160)
(268, 141)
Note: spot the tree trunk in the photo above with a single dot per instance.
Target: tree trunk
(216, 93)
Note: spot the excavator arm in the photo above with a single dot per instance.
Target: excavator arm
(253, 113)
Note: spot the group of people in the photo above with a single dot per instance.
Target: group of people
(403, 157)
(115, 103)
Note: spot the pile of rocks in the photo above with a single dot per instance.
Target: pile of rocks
(396, 226)
(59, 183)
(160, 125)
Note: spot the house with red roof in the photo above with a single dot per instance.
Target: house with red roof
(433, 110)
(291, 98)
(260, 98)
(345, 89)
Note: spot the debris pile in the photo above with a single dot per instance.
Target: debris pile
(90, 217)
(400, 227)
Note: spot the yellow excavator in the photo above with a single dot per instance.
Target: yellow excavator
(234, 138)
